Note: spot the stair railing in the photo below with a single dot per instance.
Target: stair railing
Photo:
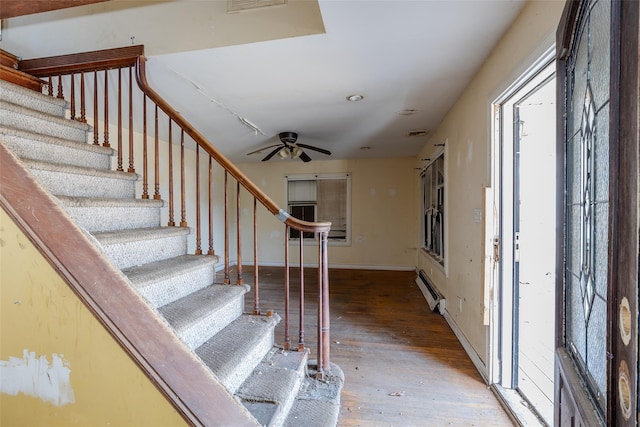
(91, 82)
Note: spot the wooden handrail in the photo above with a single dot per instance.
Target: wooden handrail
(99, 60)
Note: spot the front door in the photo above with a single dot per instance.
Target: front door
(596, 380)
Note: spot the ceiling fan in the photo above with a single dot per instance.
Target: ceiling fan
(289, 148)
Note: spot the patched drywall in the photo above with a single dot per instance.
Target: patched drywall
(35, 376)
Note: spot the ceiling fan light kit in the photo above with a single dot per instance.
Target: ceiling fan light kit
(289, 148)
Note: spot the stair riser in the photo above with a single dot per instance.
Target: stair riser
(282, 413)
(247, 362)
(69, 184)
(129, 254)
(207, 326)
(32, 100)
(61, 154)
(42, 125)
(114, 218)
(163, 292)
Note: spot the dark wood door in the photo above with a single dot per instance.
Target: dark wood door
(596, 380)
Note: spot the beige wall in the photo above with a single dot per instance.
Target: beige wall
(383, 206)
(70, 370)
(466, 131)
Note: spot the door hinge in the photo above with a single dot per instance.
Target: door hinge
(516, 247)
(496, 249)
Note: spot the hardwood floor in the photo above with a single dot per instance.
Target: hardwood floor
(403, 365)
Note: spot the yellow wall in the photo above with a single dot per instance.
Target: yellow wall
(41, 315)
(383, 206)
(466, 130)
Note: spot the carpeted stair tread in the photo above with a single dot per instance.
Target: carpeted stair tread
(155, 271)
(124, 236)
(19, 117)
(99, 214)
(165, 281)
(203, 313)
(108, 202)
(318, 402)
(139, 246)
(79, 170)
(48, 143)
(32, 100)
(67, 180)
(232, 359)
(270, 390)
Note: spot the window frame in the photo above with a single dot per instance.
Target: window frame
(439, 257)
(318, 177)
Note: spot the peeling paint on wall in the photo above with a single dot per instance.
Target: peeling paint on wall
(36, 377)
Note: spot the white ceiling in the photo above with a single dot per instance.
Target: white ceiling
(400, 55)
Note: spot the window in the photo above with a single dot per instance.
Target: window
(432, 183)
(321, 198)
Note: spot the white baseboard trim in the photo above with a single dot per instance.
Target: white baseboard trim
(373, 267)
(336, 266)
(475, 359)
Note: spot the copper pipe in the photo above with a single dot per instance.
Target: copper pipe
(119, 168)
(256, 288)
(198, 231)
(183, 209)
(83, 106)
(171, 222)
(301, 336)
(95, 109)
(131, 168)
(227, 279)
(156, 193)
(210, 204)
(145, 168)
(287, 337)
(239, 280)
(106, 109)
(73, 97)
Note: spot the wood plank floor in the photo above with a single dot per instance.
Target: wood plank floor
(403, 365)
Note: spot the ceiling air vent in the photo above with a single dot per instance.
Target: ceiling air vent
(242, 5)
(420, 132)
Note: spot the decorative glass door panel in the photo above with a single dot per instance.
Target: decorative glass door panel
(598, 69)
(586, 199)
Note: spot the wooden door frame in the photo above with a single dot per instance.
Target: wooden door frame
(624, 223)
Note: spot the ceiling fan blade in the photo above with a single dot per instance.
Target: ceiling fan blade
(271, 154)
(305, 157)
(311, 147)
(262, 149)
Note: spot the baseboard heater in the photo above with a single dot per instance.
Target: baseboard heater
(431, 294)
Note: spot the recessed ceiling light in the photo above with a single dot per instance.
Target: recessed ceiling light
(355, 97)
(407, 112)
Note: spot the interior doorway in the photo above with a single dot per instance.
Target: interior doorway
(527, 236)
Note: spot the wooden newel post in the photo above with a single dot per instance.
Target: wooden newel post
(324, 339)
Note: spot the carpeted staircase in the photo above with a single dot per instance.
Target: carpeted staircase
(276, 386)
